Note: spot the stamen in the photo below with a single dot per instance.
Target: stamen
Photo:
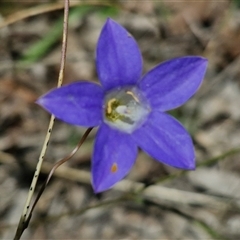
(134, 97)
(109, 105)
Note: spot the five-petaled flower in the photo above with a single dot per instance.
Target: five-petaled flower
(129, 109)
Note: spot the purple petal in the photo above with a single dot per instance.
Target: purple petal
(166, 140)
(113, 157)
(173, 82)
(79, 103)
(119, 60)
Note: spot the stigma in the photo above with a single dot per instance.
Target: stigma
(125, 109)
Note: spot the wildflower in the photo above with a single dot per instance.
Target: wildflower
(129, 109)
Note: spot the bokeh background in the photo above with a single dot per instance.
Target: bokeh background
(202, 204)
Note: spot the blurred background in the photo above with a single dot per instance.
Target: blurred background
(202, 204)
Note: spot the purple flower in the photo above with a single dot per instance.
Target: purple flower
(129, 109)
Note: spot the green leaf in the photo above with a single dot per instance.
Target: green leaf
(43, 46)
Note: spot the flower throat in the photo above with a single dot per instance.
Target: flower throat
(125, 109)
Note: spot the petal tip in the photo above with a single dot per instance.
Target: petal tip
(195, 59)
(100, 188)
(109, 20)
(203, 60)
(191, 165)
(188, 166)
(40, 101)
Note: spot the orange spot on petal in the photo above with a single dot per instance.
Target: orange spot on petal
(114, 168)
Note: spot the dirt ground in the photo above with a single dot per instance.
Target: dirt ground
(171, 204)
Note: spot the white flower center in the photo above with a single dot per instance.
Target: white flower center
(125, 109)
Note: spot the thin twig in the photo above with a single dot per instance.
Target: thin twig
(52, 218)
(54, 168)
(25, 215)
(167, 197)
(40, 9)
(64, 43)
